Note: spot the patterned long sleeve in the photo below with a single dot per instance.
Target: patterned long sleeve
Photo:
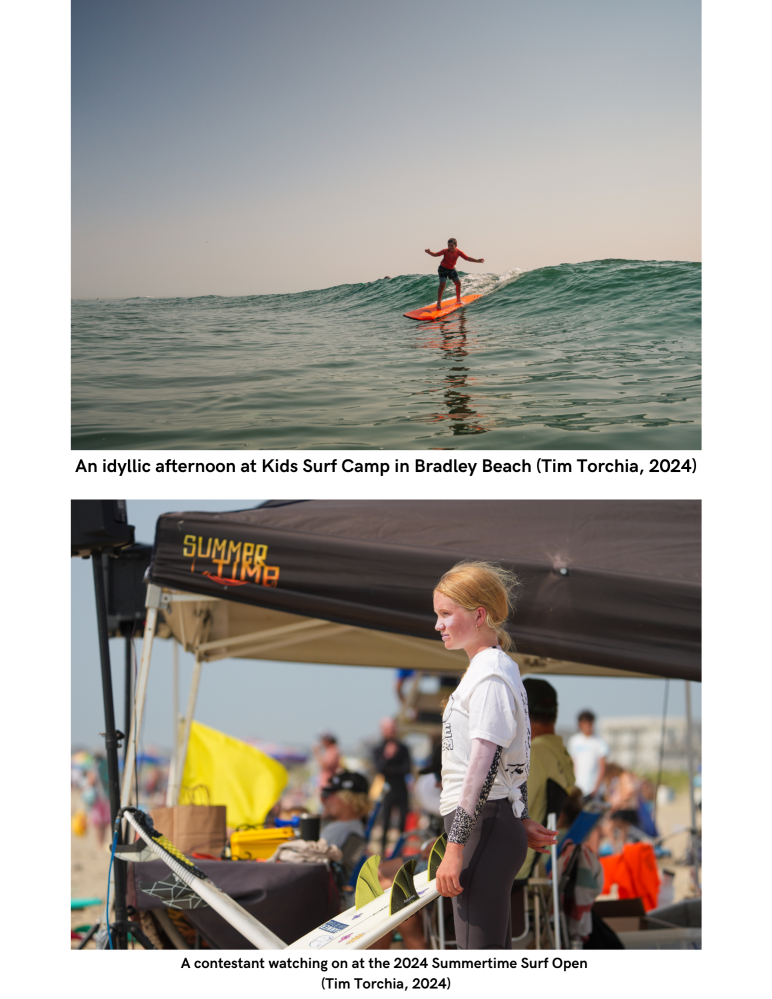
(524, 799)
(480, 775)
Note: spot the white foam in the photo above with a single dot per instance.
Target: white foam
(484, 284)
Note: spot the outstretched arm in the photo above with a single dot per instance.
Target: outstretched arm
(472, 260)
(433, 254)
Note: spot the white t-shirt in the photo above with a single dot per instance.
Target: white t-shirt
(489, 703)
(586, 752)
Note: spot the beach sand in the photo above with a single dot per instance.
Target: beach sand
(89, 865)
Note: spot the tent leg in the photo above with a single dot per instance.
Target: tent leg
(129, 690)
(175, 723)
(111, 742)
(661, 750)
(192, 697)
(689, 756)
(690, 759)
(152, 602)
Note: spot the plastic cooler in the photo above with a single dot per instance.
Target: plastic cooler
(258, 844)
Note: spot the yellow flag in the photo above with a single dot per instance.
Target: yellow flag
(235, 774)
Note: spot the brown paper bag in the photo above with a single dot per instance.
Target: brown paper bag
(199, 828)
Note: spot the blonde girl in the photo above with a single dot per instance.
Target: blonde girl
(486, 741)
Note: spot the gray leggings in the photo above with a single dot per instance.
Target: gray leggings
(493, 855)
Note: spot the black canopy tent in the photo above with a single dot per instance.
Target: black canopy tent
(612, 583)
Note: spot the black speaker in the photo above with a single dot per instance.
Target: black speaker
(125, 589)
(99, 524)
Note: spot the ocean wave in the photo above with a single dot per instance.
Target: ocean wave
(601, 353)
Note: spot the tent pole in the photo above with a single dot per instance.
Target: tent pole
(175, 722)
(689, 752)
(690, 759)
(183, 752)
(152, 602)
(661, 750)
(127, 695)
(111, 742)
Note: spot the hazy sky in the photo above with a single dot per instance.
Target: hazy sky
(246, 147)
(287, 702)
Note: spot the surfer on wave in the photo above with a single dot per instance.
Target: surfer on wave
(447, 268)
(486, 742)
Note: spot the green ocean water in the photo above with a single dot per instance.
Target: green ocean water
(602, 354)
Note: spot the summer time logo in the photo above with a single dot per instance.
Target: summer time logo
(230, 563)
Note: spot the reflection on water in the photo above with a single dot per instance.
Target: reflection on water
(456, 343)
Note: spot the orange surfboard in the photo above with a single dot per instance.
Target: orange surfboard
(448, 306)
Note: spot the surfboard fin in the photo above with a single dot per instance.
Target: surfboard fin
(368, 887)
(435, 857)
(403, 890)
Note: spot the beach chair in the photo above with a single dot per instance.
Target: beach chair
(577, 833)
(439, 928)
(522, 898)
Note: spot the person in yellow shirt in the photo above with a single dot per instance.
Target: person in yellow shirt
(551, 776)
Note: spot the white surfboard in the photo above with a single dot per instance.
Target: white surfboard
(357, 928)
(354, 929)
